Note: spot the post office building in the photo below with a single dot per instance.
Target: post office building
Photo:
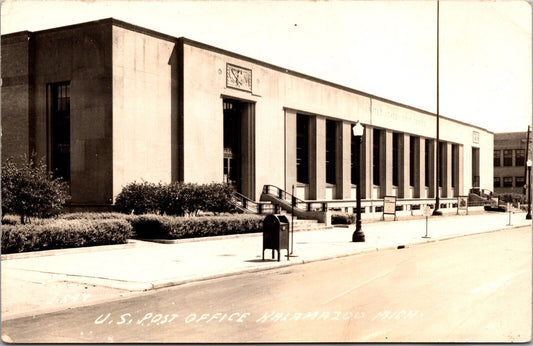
(107, 103)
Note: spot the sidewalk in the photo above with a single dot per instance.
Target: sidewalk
(47, 281)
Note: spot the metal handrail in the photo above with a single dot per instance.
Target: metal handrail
(293, 200)
(323, 205)
(253, 206)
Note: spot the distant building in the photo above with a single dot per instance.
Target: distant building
(108, 103)
(510, 157)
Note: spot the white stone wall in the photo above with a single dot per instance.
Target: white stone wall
(143, 117)
(275, 94)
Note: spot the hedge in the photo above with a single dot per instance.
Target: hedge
(342, 218)
(169, 227)
(90, 229)
(139, 198)
(176, 198)
(513, 198)
(15, 220)
(59, 234)
(94, 216)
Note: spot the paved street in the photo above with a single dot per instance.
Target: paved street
(475, 288)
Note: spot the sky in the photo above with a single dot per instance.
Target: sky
(385, 48)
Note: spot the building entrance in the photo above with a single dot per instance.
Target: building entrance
(239, 146)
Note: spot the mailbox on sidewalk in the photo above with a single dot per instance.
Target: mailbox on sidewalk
(276, 234)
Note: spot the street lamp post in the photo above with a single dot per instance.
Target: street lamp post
(528, 215)
(358, 130)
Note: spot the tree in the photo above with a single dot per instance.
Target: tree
(28, 189)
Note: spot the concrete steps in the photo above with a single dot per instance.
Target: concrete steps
(303, 224)
(306, 225)
(299, 224)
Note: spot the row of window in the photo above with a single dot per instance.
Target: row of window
(302, 155)
(508, 182)
(520, 157)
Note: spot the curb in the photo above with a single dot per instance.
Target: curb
(43, 253)
(136, 288)
(283, 264)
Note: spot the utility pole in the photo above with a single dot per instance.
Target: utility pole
(525, 161)
(436, 211)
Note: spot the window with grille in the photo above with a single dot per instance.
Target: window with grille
(395, 159)
(331, 130)
(427, 148)
(455, 150)
(354, 157)
(507, 181)
(442, 166)
(520, 158)
(507, 157)
(59, 129)
(302, 149)
(376, 160)
(497, 158)
(412, 143)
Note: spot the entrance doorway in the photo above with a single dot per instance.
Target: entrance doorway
(239, 146)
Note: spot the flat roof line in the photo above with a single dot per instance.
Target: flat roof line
(197, 44)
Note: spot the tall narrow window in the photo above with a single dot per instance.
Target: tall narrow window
(497, 158)
(507, 181)
(442, 166)
(59, 97)
(412, 143)
(232, 144)
(395, 158)
(497, 182)
(427, 148)
(331, 127)
(302, 149)
(376, 160)
(475, 168)
(454, 165)
(353, 159)
(520, 157)
(507, 157)
(519, 181)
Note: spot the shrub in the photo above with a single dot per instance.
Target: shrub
(189, 198)
(170, 200)
(177, 199)
(169, 227)
(218, 198)
(58, 234)
(513, 198)
(139, 198)
(342, 218)
(29, 190)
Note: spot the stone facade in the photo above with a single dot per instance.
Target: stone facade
(148, 106)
